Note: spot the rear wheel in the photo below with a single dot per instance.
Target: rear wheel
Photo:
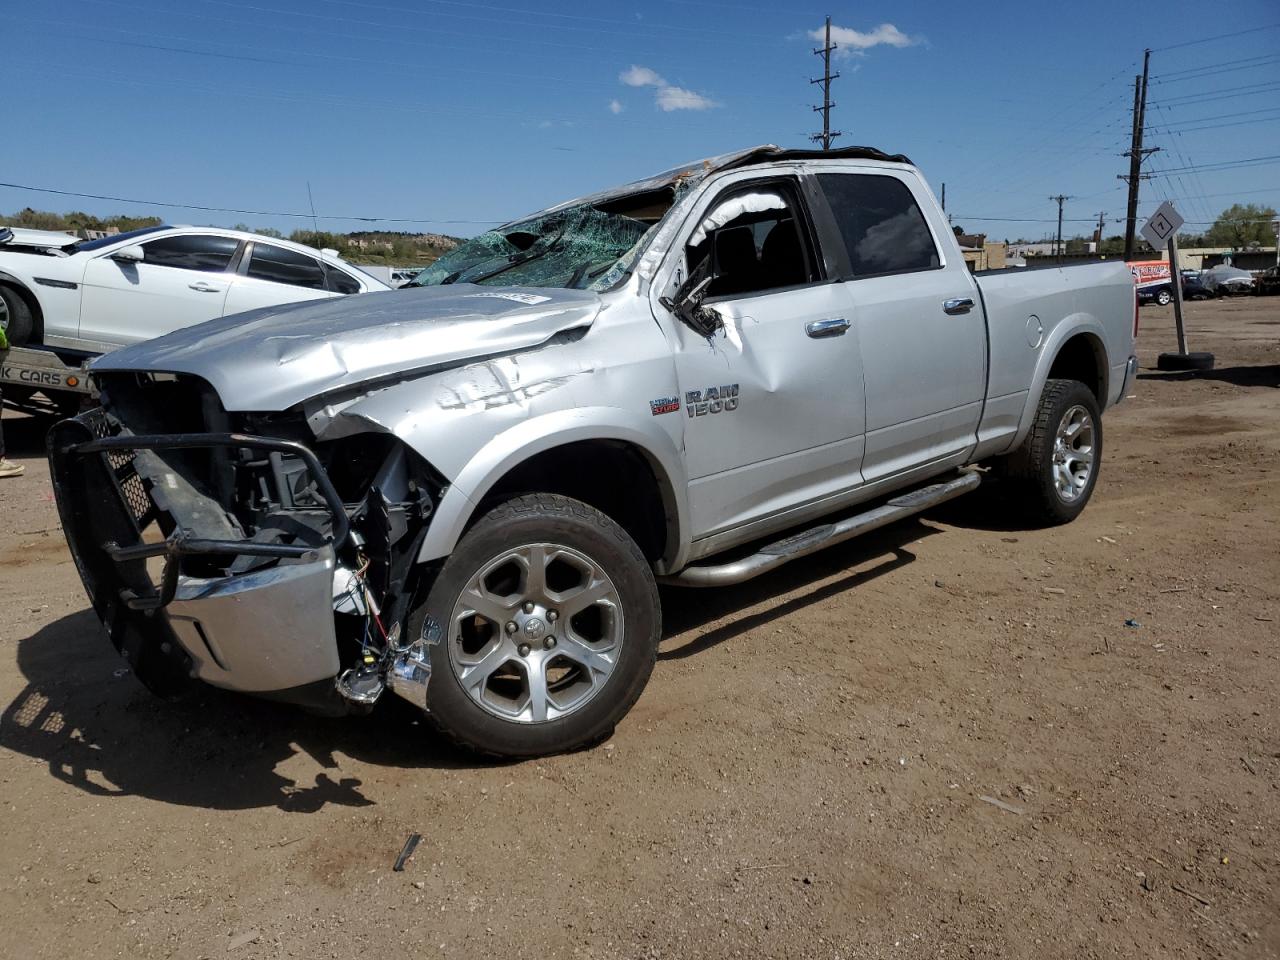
(543, 627)
(1056, 468)
(1164, 297)
(15, 317)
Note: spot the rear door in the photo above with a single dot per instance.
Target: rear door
(919, 322)
(271, 275)
(772, 402)
(181, 280)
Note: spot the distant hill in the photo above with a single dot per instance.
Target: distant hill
(368, 246)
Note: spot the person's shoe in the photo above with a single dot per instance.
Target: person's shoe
(10, 469)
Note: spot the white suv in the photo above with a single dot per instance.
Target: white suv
(96, 295)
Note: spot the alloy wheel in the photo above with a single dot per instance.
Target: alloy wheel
(1073, 453)
(536, 633)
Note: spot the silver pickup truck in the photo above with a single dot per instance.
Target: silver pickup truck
(468, 491)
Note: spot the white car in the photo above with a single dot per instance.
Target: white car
(97, 295)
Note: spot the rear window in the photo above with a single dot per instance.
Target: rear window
(883, 228)
(278, 265)
(340, 282)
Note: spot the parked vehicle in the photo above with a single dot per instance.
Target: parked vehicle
(467, 491)
(1194, 287)
(1229, 281)
(1267, 283)
(92, 296)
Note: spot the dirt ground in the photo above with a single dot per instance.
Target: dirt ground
(956, 738)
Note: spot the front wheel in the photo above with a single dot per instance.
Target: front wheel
(1055, 469)
(543, 627)
(1164, 297)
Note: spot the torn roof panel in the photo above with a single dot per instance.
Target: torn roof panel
(699, 169)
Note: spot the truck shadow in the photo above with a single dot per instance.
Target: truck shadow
(84, 715)
(98, 730)
(689, 609)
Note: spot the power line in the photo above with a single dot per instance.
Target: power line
(1220, 116)
(1226, 164)
(1216, 63)
(1216, 126)
(1221, 36)
(1206, 72)
(1218, 94)
(249, 213)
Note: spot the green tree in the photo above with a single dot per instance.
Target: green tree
(1240, 225)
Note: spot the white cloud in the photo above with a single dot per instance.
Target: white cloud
(638, 76)
(852, 42)
(615, 107)
(677, 98)
(666, 96)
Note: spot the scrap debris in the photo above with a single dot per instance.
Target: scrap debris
(1002, 805)
(407, 851)
(1194, 896)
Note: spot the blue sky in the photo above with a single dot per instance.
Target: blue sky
(448, 110)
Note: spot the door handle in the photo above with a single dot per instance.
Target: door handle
(957, 306)
(834, 327)
(202, 287)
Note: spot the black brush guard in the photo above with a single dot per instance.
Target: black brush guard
(105, 506)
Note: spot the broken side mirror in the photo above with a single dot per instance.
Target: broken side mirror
(687, 301)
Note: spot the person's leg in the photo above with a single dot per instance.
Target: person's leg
(7, 467)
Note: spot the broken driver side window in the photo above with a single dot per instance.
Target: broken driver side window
(751, 242)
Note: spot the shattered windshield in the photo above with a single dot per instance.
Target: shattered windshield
(579, 247)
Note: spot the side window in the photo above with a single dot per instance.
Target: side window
(340, 282)
(279, 265)
(883, 228)
(751, 242)
(191, 252)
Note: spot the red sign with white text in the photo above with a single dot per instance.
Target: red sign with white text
(1147, 273)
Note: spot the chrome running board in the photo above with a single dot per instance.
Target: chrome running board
(810, 541)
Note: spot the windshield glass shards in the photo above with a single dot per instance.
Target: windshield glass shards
(578, 247)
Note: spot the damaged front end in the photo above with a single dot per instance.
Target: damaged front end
(236, 549)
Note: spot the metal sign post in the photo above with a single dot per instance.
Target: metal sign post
(1161, 230)
(1175, 276)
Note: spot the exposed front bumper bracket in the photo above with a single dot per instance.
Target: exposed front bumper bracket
(180, 543)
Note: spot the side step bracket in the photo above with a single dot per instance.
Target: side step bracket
(828, 534)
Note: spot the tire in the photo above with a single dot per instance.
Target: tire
(594, 662)
(15, 317)
(1040, 472)
(1164, 298)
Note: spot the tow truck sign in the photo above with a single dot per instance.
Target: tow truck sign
(42, 370)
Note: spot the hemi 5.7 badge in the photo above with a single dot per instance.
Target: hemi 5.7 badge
(664, 405)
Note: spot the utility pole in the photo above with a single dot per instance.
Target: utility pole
(944, 198)
(1057, 247)
(1136, 154)
(827, 134)
(1102, 219)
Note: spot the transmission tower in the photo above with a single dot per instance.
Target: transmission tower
(827, 134)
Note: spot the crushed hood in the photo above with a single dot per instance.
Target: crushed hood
(270, 359)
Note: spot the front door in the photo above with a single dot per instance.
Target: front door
(180, 281)
(772, 401)
(919, 323)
